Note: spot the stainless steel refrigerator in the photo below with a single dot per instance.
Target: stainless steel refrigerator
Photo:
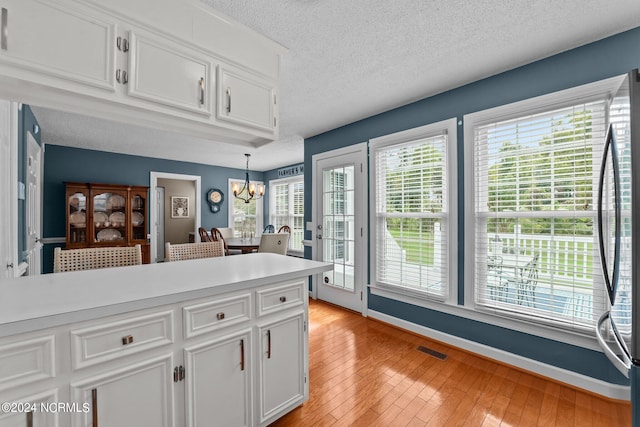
(618, 330)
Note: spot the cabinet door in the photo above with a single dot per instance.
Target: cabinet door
(42, 411)
(245, 99)
(282, 373)
(169, 74)
(109, 216)
(58, 41)
(218, 390)
(138, 395)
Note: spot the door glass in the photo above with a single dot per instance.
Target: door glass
(339, 226)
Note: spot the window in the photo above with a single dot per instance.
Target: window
(534, 170)
(286, 207)
(244, 218)
(412, 174)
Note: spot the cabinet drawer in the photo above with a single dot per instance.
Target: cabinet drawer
(279, 298)
(210, 316)
(121, 338)
(26, 361)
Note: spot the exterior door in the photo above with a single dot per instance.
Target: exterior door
(34, 206)
(341, 200)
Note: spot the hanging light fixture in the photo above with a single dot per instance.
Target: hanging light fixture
(248, 191)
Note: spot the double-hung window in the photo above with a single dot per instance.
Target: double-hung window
(413, 211)
(531, 207)
(244, 218)
(286, 207)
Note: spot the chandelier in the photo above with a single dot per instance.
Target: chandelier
(248, 191)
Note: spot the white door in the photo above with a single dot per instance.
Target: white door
(34, 206)
(8, 182)
(340, 197)
(160, 223)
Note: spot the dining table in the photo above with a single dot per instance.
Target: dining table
(244, 244)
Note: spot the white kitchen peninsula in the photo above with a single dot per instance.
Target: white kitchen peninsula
(217, 341)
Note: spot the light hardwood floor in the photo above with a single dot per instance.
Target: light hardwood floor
(366, 373)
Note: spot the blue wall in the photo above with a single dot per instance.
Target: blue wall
(77, 165)
(599, 60)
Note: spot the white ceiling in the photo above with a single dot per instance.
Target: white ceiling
(348, 60)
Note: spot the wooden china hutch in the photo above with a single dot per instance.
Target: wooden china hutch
(106, 215)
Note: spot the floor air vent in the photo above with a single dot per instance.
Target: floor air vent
(432, 352)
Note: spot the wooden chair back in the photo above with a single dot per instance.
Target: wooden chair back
(94, 258)
(216, 236)
(284, 229)
(274, 242)
(183, 251)
(204, 236)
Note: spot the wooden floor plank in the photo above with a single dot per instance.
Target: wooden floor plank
(367, 373)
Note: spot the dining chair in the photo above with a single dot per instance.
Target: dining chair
(496, 283)
(274, 243)
(269, 229)
(94, 258)
(216, 235)
(527, 283)
(184, 251)
(204, 236)
(284, 229)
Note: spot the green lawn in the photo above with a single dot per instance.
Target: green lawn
(419, 246)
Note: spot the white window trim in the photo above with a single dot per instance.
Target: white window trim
(259, 205)
(581, 94)
(399, 293)
(274, 182)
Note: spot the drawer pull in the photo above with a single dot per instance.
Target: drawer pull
(283, 299)
(127, 340)
(220, 316)
(30, 419)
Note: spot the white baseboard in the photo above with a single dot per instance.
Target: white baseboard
(603, 388)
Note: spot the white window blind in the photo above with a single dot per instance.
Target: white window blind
(535, 180)
(287, 208)
(411, 214)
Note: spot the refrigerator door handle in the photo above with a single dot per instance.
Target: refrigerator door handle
(622, 362)
(610, 144)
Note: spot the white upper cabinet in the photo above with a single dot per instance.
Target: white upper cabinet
(246, 99)
(168, 74)
(63, 41)
(142, 61)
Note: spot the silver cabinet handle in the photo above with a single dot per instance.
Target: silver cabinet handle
(122, 44)
(118, 72)
(201, 90)
(228, 100)
(125, 79)
(4, 32)
(119, 43)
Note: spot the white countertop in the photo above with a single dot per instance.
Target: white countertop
(32, 303)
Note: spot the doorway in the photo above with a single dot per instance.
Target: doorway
(340, 206)
(156, 217)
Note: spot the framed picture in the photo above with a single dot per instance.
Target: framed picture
(179, 207)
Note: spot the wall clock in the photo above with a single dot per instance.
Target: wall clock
(215, 197)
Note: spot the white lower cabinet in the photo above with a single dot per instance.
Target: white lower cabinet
(234, 359)
(218, 381)
(137, 395)
(36, 415)
(282, 365)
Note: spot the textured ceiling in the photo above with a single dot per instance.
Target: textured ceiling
(348, 60)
